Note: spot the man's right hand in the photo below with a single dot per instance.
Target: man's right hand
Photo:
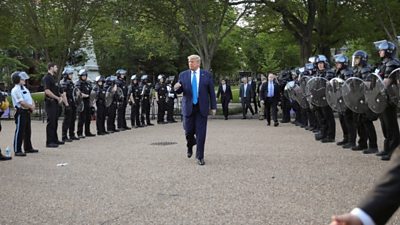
(346, 219)
(177, 86)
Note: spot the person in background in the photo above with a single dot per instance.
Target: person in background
(225, 92)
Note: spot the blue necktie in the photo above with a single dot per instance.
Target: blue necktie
(271, 91)
(194, 88)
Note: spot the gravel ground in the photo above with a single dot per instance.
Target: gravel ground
(254, 174)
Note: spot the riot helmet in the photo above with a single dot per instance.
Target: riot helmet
(82, 73)
(360, 56)
(100, 79)
(120, 73)
(144, 78)
(67, 72)
(17, 76)
(321, 59)
(388, 47)
(341, 60)
(161, 76)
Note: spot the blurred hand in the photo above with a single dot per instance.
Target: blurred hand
(177, 86)
(214, 112)
(346, 219)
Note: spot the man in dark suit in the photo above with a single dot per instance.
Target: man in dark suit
(224, 90)
(254, 90)
(270, 97)
(380, 204)
(197, 87)
(245, 94)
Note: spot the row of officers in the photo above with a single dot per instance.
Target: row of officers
(107, 99)
(320, 119)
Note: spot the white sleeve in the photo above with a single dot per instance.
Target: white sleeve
(363, 216)
(16, 95)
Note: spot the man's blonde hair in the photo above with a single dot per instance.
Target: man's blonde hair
(194, 57)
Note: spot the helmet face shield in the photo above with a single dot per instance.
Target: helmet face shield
(23, 76)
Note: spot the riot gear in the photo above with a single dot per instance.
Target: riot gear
(362, 56)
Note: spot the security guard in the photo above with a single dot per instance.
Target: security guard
(123, 102)
(4, 104)
(161, 94)
(171, 96)
(66, 90)
(24, 105)
(84, 117)
(134, 99)
(111, 88)
(100, 91)
(53, 101)
(146, 95)
(388, 118)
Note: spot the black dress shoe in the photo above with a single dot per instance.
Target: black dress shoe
(66, 140)
(386, 157)
(343, 142)
(382, 153)
(74, 138)
(116, 130)
(32, 151)
(81, 136)
(101, 133)
(359, 148)
(370, 151)
(90, 135)
(319, 136)
(189, 152)
(150, 124)
(201, 162)
(4, 158)
(276, 124)
(110, 131)
(52, 145)
(348, 145)
(60, 142)
(328, 140)
(20, 154)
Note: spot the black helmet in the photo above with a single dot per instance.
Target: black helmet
(82, 72)
(17, 76)
(120, 72)
(161, 76)
(134, 77)
(144, 77)
(66, 72)
(100, 78)
(388, 47)
(362, 55)
(344, 60)
(110, 80)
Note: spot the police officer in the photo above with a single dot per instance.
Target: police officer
(364, 124)
(24, 105)
(100, 93)
(161, 95)
(146, 95)
(325, 114)
(66, 90)
(4, 104)
(111, 88)
(171, 96)
(134, 100)
(310, 112)
(388, 118)
(348, 117)
(123, 101)
(85, 116)
(53, 100)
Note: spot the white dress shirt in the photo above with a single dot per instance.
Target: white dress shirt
(363, 216)
(224, 87)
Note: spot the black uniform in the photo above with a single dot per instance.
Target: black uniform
(101, 109)
(364, 122)
(325, 114)
(84, 116)
(285, 102)
(122, 103)
(388, 117)
(161, 89)
(68, 126)
(135, 92)
(145, 93)
(112, 109)
(171, 96)
(52, 109)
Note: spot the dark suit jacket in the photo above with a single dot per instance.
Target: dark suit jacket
(206, 93)
(264, 91)
(249, 92)
(383, 201)
(253, 88)
(224, 95)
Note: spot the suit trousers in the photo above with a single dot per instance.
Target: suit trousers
(225, 106)
(52, 121)
(246, 106)
(22, 130)
(196, 125)
(271, 104)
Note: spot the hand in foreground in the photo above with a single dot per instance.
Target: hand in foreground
(177, 86)
(346, 219)
(214, 111)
